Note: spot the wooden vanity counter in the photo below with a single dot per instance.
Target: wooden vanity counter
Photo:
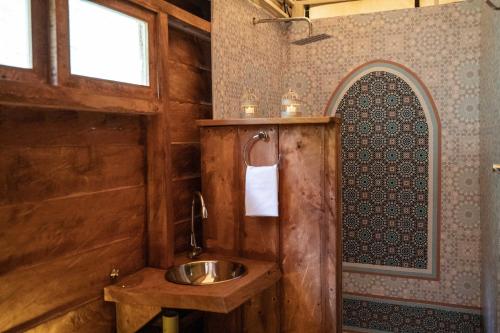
(148, 287)
(268, 121)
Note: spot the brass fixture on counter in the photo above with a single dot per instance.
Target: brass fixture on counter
(115, 274)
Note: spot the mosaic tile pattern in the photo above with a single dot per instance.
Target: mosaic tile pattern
(385, 168)
(377, 315)
(246, 56)
(490, 154)
(441, 44)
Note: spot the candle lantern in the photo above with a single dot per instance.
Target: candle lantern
(249, 104)
(290, 105)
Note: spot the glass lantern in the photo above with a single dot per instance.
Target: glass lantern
(249, 104)
(290, 105)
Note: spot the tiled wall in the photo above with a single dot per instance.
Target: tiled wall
(382, 315)
(441, 45)
(390, 178)
(490, 154)
(245, 56)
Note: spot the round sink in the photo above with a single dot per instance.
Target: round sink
(199, 273)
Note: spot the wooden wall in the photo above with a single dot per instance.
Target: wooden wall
(73, 198)
(190, 99)
(72, 207)
(77, 188)
(304, 240)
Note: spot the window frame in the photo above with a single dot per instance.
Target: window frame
(105, 86)
(49, 85)
(39, 47)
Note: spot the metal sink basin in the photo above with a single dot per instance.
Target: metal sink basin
(205, 272)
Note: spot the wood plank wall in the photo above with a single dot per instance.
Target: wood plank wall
(72, 207)
(304, 240)
(190, 99)
(72, 199)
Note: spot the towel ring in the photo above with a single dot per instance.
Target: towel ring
(259, 136)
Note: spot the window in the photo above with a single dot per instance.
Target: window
(352, 7)
(15, 33)
(107, 44)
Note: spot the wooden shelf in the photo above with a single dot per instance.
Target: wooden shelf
(267, 121)
(148, 287)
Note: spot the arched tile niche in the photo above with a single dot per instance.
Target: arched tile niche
(390, 171)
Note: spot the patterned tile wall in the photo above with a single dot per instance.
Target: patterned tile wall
(381, 315)
(385, 175)
(440, 44)
(490, 153)
(246, 56)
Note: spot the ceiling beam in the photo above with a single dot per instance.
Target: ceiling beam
(320, 2)
(272, 7)
(297, 6)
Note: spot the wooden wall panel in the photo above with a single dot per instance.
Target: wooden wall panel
(190, 100)
(160, 232)
(301, 210)
(331, 258)
(183, 118)
(228, 230)
(262, 313)
(29, 293)
(221, 178)
(186, 160)
(159, 193)
(20, 127)
(305, 239)
(73, 196)
(189, 84)
(38, 173)
(130, 318)
(219, 322)
(182, 234)
(76, 223)
(182, 196)
(259, 236)
(72, 207)
(189, 50)
(96, 316)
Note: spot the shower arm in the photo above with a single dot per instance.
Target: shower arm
(284, 20)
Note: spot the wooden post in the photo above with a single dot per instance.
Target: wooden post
(160, 215)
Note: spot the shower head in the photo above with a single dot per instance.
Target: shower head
(304, 41)
(311, 39)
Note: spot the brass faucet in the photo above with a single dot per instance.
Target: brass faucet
(195, 249)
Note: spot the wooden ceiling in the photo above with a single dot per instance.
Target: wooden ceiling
(199, 8)
(296, 7)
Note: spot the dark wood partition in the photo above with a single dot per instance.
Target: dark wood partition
(304, 240)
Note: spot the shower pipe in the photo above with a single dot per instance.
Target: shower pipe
(492, 5)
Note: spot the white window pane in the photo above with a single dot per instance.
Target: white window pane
(15, 33)
(107, 44)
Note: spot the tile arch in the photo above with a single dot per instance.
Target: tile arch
(418, 266)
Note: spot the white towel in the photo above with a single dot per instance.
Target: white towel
(261, 191)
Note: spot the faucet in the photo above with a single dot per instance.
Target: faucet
(195, 249)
